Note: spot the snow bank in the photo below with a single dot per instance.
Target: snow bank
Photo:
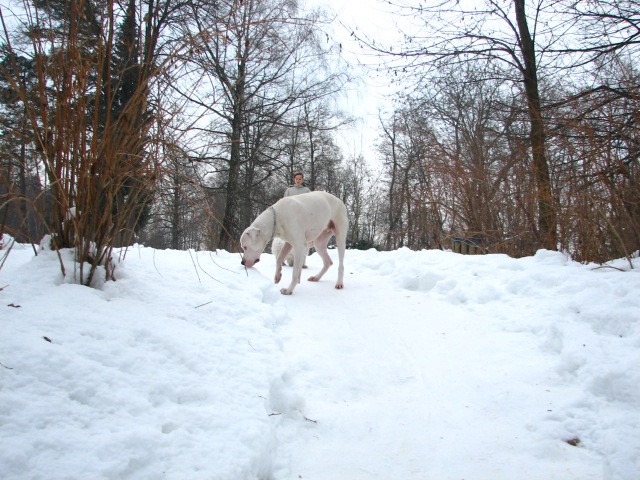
(427, 365)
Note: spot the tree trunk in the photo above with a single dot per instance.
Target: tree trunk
(391, 239)
(229, 224)
(229, 232)
(547, 228)
(176, 221)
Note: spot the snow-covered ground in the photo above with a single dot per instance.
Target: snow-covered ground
(428, 365)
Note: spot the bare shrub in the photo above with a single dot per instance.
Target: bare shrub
(89, 114)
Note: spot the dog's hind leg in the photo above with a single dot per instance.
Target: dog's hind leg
(341, 243)
(321, 248)
(341, 249)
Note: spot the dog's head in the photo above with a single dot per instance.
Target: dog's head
(252, 243)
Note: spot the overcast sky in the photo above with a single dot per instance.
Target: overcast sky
(370, 94)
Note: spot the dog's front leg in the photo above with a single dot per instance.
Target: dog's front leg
(278, 274)
(299, 254)
(280, 260)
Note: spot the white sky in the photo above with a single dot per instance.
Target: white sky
(367, 96)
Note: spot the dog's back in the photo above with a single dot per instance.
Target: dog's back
(312, 211)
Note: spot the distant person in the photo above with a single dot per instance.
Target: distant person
(298, 186)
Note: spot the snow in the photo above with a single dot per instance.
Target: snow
(428, 365)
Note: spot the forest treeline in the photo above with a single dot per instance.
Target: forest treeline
(174, 123)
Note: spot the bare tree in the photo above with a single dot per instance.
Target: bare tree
(601, 29)
(21, 193)
(596, 135)
(390, 150)
(89, 115)
(498, 32)
(453, 154)
(264, 61)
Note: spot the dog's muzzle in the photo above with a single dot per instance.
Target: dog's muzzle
(243, 262)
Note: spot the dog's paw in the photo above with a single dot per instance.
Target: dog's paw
(277, 278)
(339, 286)
(285, 291)
(313, 279)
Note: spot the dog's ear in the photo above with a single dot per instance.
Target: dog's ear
(253, 234)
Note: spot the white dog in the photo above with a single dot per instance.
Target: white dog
(309, 217)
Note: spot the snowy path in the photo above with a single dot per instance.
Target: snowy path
(436, 393)
(427, 366)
